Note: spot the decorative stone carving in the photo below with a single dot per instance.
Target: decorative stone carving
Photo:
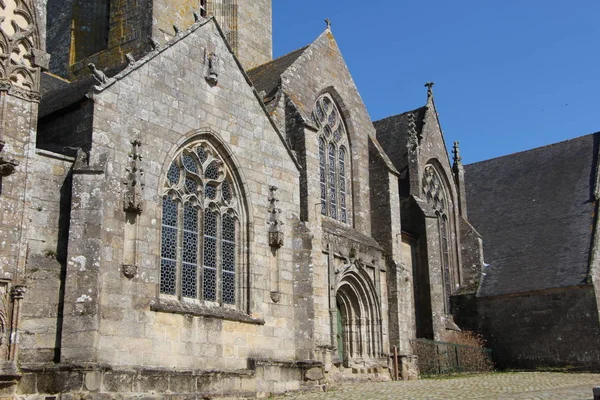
(130, 59)
(456, 159)
(18, 292)
(132, 197)
(433, 189)
(154, 44)
(414, 140)
(129, 271)
(7, 166)
(275, 233)
(20, 57)
(100, 76)
(213, 65)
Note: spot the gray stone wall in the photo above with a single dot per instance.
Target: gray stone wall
(165, 103)
(48, 217)
(551, 328)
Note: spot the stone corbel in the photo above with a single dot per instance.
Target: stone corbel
(7, 166)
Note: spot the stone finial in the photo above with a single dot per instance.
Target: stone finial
(134, 182)
(275, 233)
(457, 159)
(100, 76)
(429, 86)
(328, 22)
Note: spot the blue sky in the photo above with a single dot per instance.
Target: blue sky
(510, 75)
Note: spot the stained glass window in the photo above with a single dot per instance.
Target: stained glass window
(342, 184)
(198, 231)
(322, 178)
(189, 252)
(168, 256)
(332, 183)
(210, 255)
(435, 194)
(228, 253)
(333, 175)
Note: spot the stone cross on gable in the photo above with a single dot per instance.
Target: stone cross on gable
(429, 86)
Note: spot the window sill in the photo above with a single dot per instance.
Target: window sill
(197, 310)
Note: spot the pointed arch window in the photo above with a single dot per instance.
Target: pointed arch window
(333, 163)
(435, 194)
(200, 232)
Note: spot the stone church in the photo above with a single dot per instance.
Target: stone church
(182, 215)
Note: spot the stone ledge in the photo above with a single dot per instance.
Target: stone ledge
(197, 310)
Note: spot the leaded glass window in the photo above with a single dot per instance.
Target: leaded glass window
(342, 184)
(333, 164)
(200, 216)
(436, 195)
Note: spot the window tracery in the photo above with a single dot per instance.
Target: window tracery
(333, 145)
(435, 194)
(199, 237)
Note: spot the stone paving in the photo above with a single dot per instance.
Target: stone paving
(517, 385)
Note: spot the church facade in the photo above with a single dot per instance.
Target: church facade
(184, 216)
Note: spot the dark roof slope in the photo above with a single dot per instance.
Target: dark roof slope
(266, 77)
(57, 96)
(392, 133)
(535, 211)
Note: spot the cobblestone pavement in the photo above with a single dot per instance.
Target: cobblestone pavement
(518, 385)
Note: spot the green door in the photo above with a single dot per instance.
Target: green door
(340, 334)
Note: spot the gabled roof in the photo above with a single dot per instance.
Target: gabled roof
(535, 211)
(267, 77)
(393, 132)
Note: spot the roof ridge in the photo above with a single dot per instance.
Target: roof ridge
(400, 114)
(279, 58)
(535, 148)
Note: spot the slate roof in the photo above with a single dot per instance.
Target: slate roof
(392, 133)
(535, 211)
(266, 77)
(56, 96)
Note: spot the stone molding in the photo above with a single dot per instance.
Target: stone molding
(197, 310)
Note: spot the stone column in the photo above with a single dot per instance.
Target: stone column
(82, 297)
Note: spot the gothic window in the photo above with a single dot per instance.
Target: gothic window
(435, 194)
(200, 228)
(333, 163)
(91, 21)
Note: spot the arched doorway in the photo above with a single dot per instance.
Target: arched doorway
(359, 339)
